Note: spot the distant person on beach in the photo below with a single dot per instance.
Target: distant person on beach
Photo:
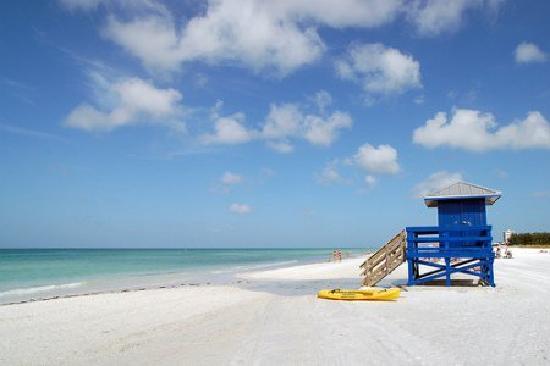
(336, 256)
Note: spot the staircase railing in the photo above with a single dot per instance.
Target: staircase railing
(385, 260)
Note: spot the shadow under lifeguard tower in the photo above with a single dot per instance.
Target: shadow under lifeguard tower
(460, 244)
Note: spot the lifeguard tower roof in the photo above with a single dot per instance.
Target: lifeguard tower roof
(462, 190)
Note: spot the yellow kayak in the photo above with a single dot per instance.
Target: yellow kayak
(371, 293)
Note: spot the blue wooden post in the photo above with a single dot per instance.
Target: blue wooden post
(410, 281)
(447, 271)
(446, 247)
(410, 261)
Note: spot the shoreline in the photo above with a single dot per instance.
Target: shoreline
(265, 272)
(274, 317)
(118, 291)
(166, 280)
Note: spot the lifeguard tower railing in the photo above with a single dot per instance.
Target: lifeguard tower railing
(465, 250)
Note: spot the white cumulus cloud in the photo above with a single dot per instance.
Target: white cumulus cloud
(529, 52)
(283, 121)
(262, 35)
(284, 35)
(379, 69)
(230, 178)
(125, 102)
(435, 182)
(381, 159)
(324, 130)
(478, 131)
(283, 124)
(373, 160)
(287, 120)
(432, 17)
(240, 208)
(228, 130)
(222, 34)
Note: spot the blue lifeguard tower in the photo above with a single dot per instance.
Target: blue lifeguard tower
(462, 239)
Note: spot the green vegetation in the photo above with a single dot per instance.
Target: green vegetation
(534, 239)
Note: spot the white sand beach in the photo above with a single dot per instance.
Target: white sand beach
(274, 318)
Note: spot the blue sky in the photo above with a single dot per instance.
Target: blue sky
(266, 124)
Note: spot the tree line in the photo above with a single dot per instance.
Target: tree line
(530, 239)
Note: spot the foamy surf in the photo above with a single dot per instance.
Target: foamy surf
(39, 289)
(59, 272)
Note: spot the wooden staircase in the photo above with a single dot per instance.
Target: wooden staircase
(385, 260)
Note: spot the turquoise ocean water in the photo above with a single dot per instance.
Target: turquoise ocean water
(38, 273)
